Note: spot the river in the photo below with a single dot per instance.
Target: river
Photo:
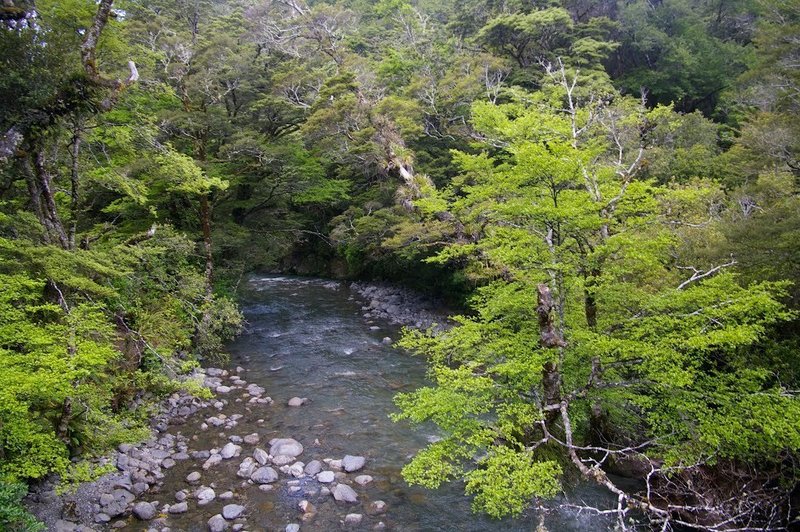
(309, 338)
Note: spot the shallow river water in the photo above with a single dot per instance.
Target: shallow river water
(309, 338)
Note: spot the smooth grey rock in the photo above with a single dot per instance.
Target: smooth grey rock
(285, 446)
(252, 439)
(344, 493)
(193, 477)
(205, 495)
(217, 524)
(226, 496)
(264, 475)
(297, 401)
(232, 511)
(313, 467)
(168, 463)
(213, 460)
(229, 451)
(261, 456)
(326, 476)
(223, 389)
(180, 496)
(293, 527)
(144, 511)
(353, 463)
(363, 480)
(353, 519)
(102, 518)
(377, 507)
(179, 508)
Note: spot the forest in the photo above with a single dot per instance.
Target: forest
(607, 191)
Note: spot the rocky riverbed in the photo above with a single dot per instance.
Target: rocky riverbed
(125, 499)
(135, 496)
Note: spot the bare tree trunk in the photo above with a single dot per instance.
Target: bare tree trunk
(549, 337)
(40, 189)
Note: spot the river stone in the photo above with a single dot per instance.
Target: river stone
(246, 468)
(213, 460)
(261, 456)
(293, 527)
(168, 463)
(144, 511)
(205, 495)
(326, 477)
(296, 469)
(65, 526)
(251, 439)
(120, 500)
(282, 459)
(225, 496)
(229, 451)
(344, 493)
(217, 524)
(352, 463)
(353, 519)
(377, 507)
(232, 511)
(285, 446)
(386, 340)
(223, 389)
(102, 518)
(264, 475)
(363, 480)
(179, 508)
(180, 496)
(313, 467)
(297, 401)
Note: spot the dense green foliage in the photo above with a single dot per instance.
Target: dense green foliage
(609, 188)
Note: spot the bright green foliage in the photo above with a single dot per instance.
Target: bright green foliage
(13, 517)
(561, 205)
(506, 481)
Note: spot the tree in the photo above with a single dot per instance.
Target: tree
(592, 347)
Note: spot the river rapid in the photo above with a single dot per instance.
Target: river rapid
(308, 338)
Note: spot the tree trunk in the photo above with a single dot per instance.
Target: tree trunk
(549, 337)
(205, 221)
(75, 185)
